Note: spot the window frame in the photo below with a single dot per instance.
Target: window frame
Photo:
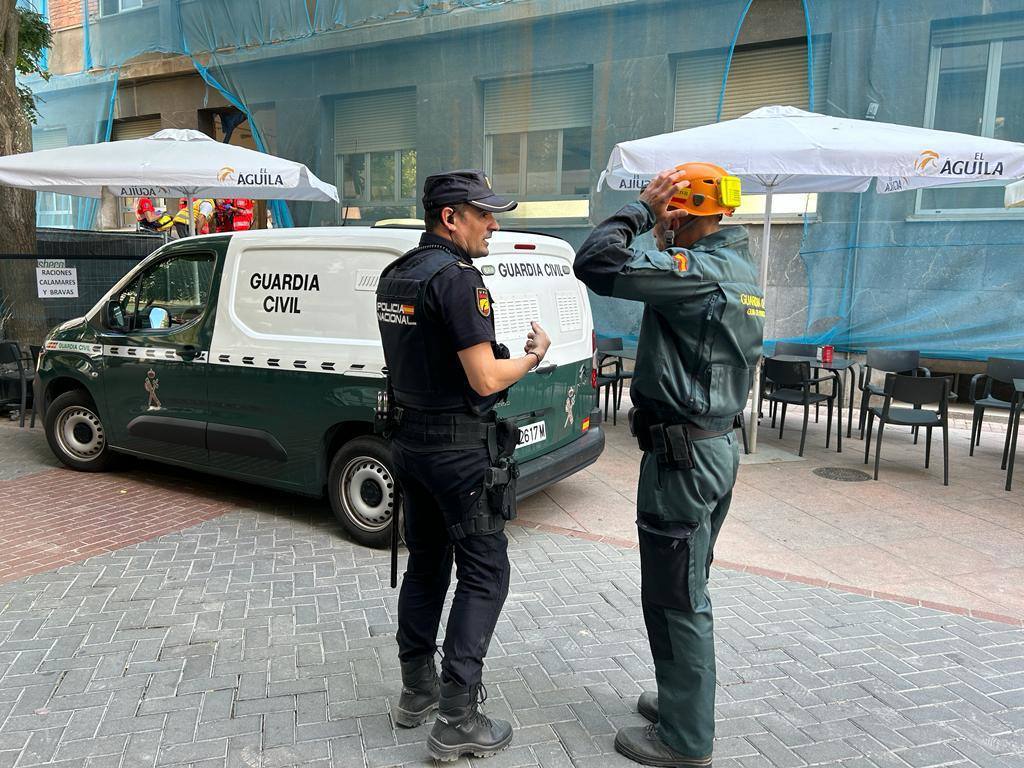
(988, 119)
(521, 194)
(345, 201)
(136, 282)
(120, 9)
(68, 214)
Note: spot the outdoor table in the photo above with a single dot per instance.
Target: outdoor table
(1012, 427)
(836, 368)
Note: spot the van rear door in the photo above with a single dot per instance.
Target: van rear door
(530, 278)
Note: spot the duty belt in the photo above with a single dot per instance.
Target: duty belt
(440, 430)
(670, 441)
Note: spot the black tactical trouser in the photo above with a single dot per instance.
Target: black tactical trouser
(439, 488)
(680, 513)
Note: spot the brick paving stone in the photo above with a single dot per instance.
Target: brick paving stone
(262, 638)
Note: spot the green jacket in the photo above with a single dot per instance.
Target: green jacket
(703, 321)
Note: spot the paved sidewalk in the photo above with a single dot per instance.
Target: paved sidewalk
(262, 638)
(959, 547)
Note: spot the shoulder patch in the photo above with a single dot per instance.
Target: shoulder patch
(681, 262)
(483, 302)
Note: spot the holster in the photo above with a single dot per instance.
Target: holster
(488, 510)
(672, 443)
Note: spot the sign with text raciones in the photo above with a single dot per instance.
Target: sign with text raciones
(57, 282)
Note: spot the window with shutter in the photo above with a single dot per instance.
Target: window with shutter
(537, 142)
(758, 76)
(976, 86)
(375, 154)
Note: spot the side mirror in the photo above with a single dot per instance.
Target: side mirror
(159, 318)
(113, 316)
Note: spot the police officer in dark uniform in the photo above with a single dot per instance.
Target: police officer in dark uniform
(700, 339)
(452, 457)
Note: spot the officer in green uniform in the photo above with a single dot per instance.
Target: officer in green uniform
(700, 340)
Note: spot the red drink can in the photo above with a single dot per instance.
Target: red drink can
(827, 353)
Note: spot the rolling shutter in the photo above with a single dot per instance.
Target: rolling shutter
(375, 122)
(539, 102)
(135, 129)
(758, 77)
(51, 139)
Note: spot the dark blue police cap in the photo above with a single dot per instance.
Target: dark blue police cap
(466, 186)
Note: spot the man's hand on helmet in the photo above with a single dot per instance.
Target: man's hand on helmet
(659, 192)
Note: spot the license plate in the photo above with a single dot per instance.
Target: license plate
(532, 433)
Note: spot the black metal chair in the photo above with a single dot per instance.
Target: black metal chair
(792, 383)
(610, 373)
(904, 362)
(798, 349)
(999, 370)
(13, 368)
(917, 391)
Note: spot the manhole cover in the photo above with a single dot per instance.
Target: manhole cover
(842, 474)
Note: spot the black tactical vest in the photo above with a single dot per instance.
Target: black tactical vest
(424, 367)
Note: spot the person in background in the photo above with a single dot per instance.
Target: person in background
(202, 212)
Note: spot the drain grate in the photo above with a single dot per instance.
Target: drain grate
(842, 474)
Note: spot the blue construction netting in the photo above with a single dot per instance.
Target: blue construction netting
(938, 270)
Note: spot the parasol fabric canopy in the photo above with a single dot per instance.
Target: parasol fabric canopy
(786, 149)
(171, 162)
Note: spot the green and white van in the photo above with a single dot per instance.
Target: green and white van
(256, 356)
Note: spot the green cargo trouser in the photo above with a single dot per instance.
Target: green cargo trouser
(680, 513)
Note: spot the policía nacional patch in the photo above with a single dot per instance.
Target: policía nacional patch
(483, 302)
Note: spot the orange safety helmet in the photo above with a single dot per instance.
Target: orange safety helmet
(712, 190)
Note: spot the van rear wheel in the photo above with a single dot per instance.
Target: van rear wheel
(363, 490)
(76, 434)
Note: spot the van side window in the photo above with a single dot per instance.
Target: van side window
(169, 294)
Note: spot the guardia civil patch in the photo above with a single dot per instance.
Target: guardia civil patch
(681, 263)
(483, 302)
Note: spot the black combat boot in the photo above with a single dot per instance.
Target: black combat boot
(647, 705)
(461, 729)
(420, 691)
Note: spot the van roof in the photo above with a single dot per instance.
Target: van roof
(398, 235)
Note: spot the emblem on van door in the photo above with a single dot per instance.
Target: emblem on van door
(570, 404)
(152, 384)
(483, 302)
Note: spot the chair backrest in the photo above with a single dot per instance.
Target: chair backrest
(795, 348)
(917, 390)
(893, 360)
(605, 344)
(1004, 369)
(785, 373)
(10, 353)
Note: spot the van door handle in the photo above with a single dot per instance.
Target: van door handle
(188, 353)
(547, 369)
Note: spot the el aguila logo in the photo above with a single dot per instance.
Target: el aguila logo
(928, 157)
(932, 162)
(259, 178)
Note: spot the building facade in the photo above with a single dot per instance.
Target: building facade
(376, 96)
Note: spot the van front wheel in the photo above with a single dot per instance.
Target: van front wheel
(363, 493)
(75, 433)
